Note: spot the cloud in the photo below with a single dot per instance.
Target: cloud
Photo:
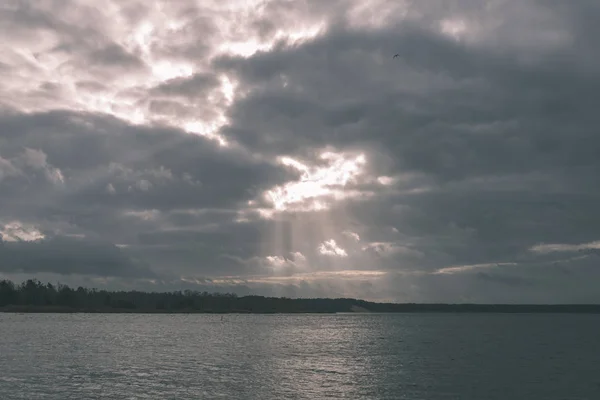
(317, 187)
(7, 169)
(37, 160)
(289, 143)
(353, 235)
(197, 85)
(331, 248)
(464, 268)
(67, 256)
(550, 248)
(15, 231)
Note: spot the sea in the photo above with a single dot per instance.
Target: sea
(300, 356)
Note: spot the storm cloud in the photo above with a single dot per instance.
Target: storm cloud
(279, 148)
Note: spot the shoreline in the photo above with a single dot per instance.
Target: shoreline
(395, 309)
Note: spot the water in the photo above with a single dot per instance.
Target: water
(414, 356)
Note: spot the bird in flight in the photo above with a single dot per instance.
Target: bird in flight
(396, 55)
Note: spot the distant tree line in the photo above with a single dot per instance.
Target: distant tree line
(34, 296)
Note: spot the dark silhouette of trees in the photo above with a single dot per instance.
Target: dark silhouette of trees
(34, 296)
(8, 293)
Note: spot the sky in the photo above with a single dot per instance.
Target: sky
(278, 147)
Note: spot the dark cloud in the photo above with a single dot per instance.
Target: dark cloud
(69, 256)
(507, 141)
(195, 86)
(480, 141)
(444, 108)
(130, 184)
(95, 151)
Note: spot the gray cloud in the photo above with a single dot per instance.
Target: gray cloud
(194, 86)
(114, 54)
(479, 145)
(125, 184)
(69, 256)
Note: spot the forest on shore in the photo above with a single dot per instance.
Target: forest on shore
(35, 296)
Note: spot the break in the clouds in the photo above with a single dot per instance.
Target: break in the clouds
(278, 147)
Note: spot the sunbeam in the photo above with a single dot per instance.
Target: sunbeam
(311, 233)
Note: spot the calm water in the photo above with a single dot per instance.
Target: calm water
(437, 356)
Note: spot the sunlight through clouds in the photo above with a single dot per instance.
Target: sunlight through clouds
(331, 248)
(247, 48)
(16, 231)
(276, 261)
(318, 186)
(139, 51)
(344, 275)
(352, 235)
(304, 143)
(295, 260)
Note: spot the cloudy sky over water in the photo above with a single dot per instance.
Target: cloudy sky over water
(277, 147)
